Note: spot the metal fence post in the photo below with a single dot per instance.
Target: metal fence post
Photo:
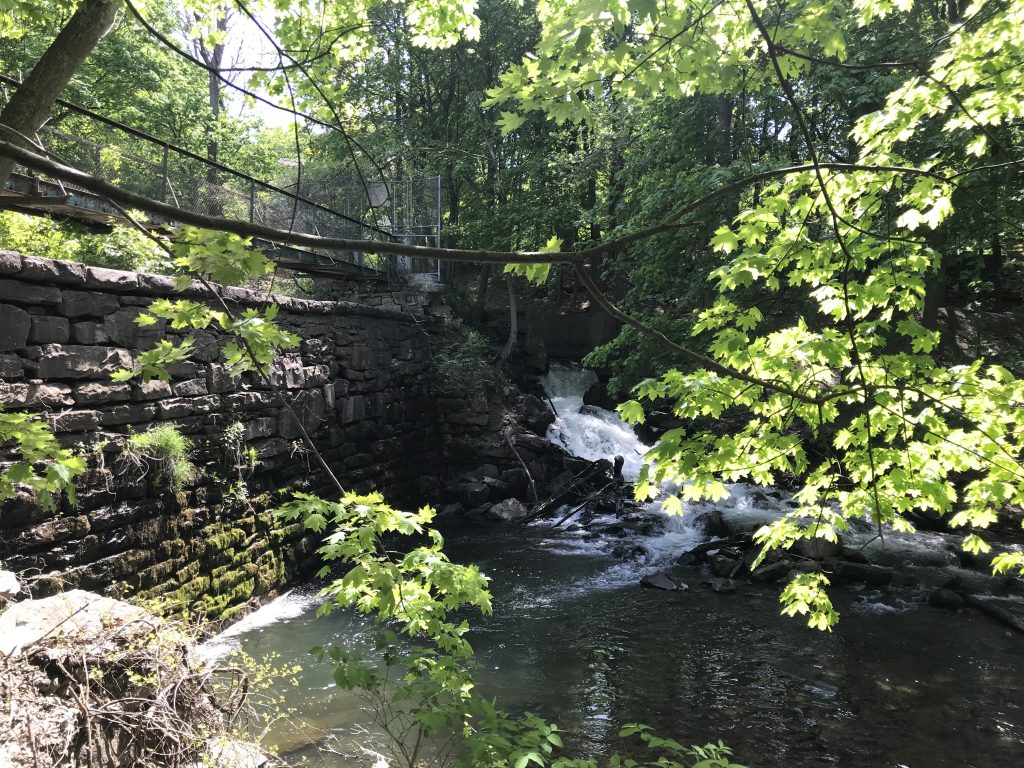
(437, 223)
(252, 201)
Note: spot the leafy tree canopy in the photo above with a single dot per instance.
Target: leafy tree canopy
(821, 163)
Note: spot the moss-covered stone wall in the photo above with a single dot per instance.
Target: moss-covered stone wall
(359, 384)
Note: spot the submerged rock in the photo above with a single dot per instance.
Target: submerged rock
(946, 599)
(722, 586)
(627, 551)
(660, 580)
(688, 560)
(861, 573)
(509, 510)
(725, 566)
(771, 572)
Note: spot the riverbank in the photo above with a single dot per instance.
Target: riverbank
(86, 680)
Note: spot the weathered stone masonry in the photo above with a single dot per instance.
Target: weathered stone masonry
(360, 384)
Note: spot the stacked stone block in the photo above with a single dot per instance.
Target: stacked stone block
(359, 384)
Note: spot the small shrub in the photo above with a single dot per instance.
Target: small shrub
(165, 450)
(462, 364)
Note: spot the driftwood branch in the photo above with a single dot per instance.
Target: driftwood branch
(526, 469)
(584, 503)
(1001, 615)
(581, 479)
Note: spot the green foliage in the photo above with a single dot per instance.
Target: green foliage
(153, 363)
(537, 273)
(844, 390)
(459, 365)
(38, 462)
(16, 14)
(164, 450)
(124, 248)
(218, 256)
(257, 337)
(419, 593)
(239, 460)
(669, 753)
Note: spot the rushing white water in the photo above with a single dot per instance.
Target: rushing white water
(595, 433)
(589, 432)
(291, 604)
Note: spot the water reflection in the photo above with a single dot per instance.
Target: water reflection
(921, 688)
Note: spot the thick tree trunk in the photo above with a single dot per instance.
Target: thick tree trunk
(214, 59)
(513, 323)
(480, 304)
(32, 103)
(934, 299)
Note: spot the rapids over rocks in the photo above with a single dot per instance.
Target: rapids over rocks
(576, 639)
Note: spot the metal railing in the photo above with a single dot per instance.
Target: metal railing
(405, 210)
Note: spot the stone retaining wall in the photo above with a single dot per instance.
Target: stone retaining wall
(360, 385)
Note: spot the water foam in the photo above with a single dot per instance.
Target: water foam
(290, 605)
(594, 433)
(591, 433)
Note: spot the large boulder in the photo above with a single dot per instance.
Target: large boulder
(472, 494)
(817, 548)
(509, 511)
(74, 617)
(946, 599)
(535, 355)
(10, 586)
(537, 416)
(598, 397)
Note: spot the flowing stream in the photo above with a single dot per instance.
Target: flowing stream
(575, 639)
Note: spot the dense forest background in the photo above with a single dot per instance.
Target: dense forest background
(410, 111)
(805, 216)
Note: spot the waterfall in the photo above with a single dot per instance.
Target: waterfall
(595, 433)
(587, 431)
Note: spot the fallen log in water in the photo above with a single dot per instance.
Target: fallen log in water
(586, 501)
(1001, 615)
(549, 505)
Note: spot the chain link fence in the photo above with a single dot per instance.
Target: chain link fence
(349, 207)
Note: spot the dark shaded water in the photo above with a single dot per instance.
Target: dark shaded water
(573, 638)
